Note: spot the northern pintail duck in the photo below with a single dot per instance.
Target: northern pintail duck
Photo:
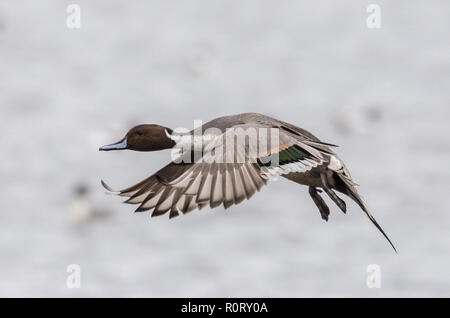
(208, 171)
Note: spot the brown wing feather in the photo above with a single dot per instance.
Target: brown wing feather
(238, 182)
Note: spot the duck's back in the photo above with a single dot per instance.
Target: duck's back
(261, 120)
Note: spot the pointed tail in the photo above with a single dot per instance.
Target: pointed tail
(348, 189)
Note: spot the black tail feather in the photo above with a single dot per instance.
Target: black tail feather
(345, 187)
(358, 200)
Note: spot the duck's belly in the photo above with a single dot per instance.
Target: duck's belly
(309, 178)
(305, 178)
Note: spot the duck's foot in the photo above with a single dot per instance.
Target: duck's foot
(339, 202)
(320, 203)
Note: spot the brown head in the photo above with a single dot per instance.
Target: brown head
(144, 138)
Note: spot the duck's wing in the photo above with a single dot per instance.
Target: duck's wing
(183, 187)
(295, 154)
(199, 185)
(300, 134)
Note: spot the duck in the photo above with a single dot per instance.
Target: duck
(206, 168)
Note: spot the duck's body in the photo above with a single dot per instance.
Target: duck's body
(202, 178)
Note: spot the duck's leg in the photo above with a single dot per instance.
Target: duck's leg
(320, 203)
(339, 202)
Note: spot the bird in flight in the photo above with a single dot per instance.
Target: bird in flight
(228, 159)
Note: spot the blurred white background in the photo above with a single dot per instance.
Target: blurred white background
(381, 94)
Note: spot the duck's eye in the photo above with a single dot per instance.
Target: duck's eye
(139, 133)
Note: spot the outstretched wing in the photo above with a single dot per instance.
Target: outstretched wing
(183, 187)
(201, 185)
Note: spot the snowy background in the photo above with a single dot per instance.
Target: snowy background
(382, 94)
